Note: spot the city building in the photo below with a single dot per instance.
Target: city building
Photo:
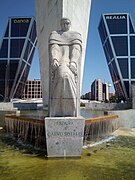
(16, 54)
(86, 96)
(97, 90)
(32, 89)
(48, 16)
(105, 91)
(117, 35)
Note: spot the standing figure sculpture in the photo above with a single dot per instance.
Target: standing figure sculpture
(65, 49)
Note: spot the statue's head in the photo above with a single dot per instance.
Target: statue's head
(65, 24)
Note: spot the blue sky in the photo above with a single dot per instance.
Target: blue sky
(95, 61)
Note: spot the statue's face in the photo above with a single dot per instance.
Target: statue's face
(65, 25)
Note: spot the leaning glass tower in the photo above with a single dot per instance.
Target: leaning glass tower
(117, 34)
(16, 54)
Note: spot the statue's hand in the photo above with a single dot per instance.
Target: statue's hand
(73, 67)
(55, 64)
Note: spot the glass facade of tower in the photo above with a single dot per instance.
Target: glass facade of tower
(16, 54)
(117, 35)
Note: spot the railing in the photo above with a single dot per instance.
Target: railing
(103, 118)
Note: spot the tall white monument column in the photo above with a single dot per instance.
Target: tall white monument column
(48, 15)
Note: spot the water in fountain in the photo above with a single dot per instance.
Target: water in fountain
(31, 130)
(25, 129)
(99, 128)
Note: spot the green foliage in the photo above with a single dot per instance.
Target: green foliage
(82, 104)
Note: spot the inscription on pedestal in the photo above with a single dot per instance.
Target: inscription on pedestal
(64, 136)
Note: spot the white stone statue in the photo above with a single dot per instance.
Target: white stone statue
(65, 49)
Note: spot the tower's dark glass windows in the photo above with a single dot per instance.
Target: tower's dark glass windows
(108, 51)
(19, 27)
(123, 64)
(133, 68)
(3, 66)
(7, 31)
(131, 27)
(102, 31)
(121, 57)
(33, 33)
(4, 49)
(16, 47)
(120, 44)
(19, 39)
(117, 24)
(132, 47)
(28, 50)
(13, 68)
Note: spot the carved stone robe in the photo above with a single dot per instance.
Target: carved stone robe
(65, 49)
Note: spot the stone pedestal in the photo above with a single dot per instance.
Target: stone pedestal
(64, 136)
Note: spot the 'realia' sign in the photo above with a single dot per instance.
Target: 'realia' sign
(116, 17)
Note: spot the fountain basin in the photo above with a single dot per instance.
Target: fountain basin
(31, 130)
(28, 129)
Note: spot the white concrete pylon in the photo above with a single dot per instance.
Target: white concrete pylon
(48, 15)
